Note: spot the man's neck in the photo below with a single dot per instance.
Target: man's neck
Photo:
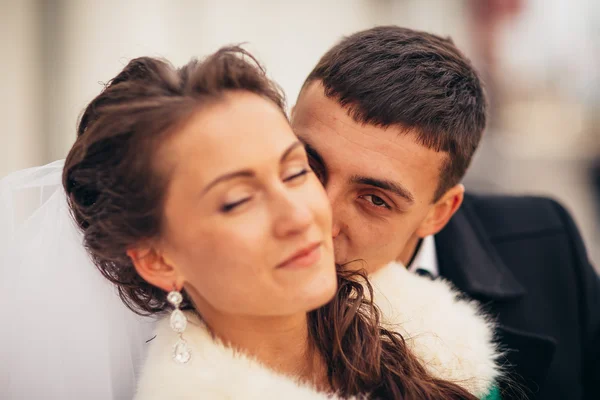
(415, 252)
(409, 251)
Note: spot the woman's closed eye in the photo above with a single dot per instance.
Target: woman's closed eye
(376, 201)
(227, 207)
(292, 175)
(296, 173)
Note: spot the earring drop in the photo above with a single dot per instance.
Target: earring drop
(178, 321)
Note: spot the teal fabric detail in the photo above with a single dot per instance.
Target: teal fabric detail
(494, 394)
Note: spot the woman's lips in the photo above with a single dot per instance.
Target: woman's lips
(304, 257)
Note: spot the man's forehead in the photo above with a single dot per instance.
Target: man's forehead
(372, 152)
(316, 113)
(376, 144)
(313, 107)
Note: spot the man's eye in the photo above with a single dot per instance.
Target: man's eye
(376, 201)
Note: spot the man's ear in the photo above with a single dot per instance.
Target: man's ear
(442, 211)
(155, 268)
(292, 112)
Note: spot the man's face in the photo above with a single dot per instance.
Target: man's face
(380, 181)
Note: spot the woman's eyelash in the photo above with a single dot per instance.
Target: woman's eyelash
(231, 206)
(298, 175)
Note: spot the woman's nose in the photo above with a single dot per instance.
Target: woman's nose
(293, 216)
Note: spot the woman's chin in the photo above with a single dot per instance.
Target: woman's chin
(320, 291)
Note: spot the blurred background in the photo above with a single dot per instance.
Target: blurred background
(540, 60)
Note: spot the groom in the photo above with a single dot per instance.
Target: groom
(391, 118)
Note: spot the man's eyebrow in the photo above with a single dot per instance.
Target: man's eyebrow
(384, 184)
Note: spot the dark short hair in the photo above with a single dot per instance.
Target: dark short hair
(393, 76)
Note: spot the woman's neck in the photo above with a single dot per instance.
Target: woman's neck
(281, 343)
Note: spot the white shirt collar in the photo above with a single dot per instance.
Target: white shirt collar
(426, 258)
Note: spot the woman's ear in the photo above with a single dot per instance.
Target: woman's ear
(442, 211)
(155, 268)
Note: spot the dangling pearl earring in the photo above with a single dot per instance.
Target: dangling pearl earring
(181, 351)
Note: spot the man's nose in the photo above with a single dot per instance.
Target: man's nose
(334, 199)
(335, 229)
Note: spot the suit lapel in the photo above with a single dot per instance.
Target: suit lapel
(469, 260)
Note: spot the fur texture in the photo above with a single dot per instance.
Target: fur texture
(450, 336)
(214, 372)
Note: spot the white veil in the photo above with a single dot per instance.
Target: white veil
(65, 334)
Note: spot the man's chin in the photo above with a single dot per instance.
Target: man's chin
(361, 265)
(353, 264)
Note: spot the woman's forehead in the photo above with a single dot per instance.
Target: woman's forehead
(243, 131)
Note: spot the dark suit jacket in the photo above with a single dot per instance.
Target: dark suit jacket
(524, 260)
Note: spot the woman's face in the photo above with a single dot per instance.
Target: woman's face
(247, 224)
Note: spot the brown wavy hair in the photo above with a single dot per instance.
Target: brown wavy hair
(116, 192)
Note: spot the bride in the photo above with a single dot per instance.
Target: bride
(196, 202)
